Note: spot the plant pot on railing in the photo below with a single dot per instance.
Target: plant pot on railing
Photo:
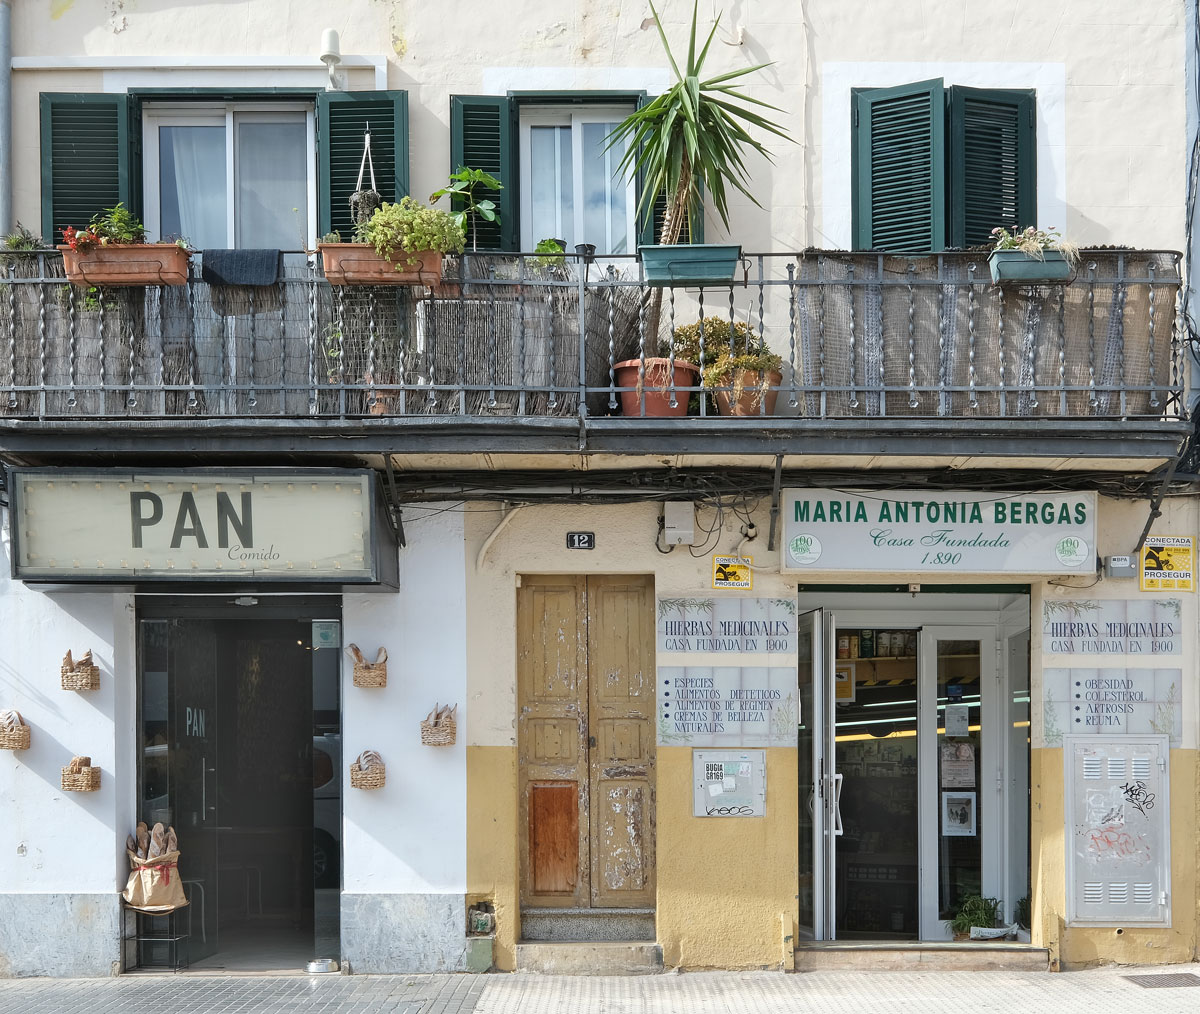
(656, 386)
(127, 264)
(690, 263)
(750, 392)
(359, 264)
(1018, 266)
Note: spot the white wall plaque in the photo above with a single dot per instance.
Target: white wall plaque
(1118, 831)
(1111, 702)
(1143, 626)
(916, 531)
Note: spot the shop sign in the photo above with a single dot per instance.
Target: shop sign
(1143, 626)
(1168, 563)
(952, 533)
(265, 526)
(727, 672)
(1111, 702)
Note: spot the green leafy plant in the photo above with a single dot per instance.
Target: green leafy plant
(974, 910)
(470, 207)
(23, 240)
(551, 251)
(399, 231)
(719, 337)
(691, 138)
(1023, 912)
(742, 371)
(114, 226)
(332, 237)
(1035, 243)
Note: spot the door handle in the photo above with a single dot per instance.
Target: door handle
(837, 804)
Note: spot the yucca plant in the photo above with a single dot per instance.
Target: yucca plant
(691, 138)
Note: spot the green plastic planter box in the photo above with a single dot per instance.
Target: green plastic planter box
(1018, 266)
(690, 263)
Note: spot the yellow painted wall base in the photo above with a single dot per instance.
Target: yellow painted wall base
(1078, 946)
(492, 842)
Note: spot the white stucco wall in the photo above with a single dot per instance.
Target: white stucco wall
(53, 841)
(410, 836)
(1110, 79)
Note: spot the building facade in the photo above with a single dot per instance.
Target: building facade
(725, 691)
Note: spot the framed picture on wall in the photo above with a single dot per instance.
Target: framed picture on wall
(958, 814)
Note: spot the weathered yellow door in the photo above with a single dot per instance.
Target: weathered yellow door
(585, 740)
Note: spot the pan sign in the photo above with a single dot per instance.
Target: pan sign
(938, 532)
(113, 526)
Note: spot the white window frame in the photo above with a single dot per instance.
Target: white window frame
(198, 114)
(573, 117)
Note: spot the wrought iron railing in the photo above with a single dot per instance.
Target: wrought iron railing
(859, 335)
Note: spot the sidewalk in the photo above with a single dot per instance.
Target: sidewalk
(671, 993)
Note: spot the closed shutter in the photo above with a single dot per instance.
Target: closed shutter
(898, 165)
(482, 136)
(342, 121)
(88, 158)
(992, 163)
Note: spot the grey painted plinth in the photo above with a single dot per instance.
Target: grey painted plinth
(60, 935)
(397, 933)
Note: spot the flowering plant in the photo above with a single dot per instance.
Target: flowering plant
(116, 225)
(1034, 242)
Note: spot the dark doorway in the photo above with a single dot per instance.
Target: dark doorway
(241, 752)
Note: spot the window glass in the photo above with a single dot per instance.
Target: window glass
(192, 185)
(552, 204)
(271, 170)
(604, 191)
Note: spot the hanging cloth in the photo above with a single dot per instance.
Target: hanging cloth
(364, 202)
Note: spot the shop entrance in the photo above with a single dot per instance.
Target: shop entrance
(914, 761)
(586, 741)
(240, 751)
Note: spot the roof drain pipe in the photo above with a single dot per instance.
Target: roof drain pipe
(6, 219)
(509, 514)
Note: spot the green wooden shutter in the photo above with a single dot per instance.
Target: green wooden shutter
(342, 120)
(89, 158)
(482, 136)
(898, 188)
(993, 162)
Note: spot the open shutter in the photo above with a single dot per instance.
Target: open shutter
(482, 137)
(342, 120)
(898, 165)
(993, 162)
(88, 158)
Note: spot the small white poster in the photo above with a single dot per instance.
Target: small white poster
(958, 814)
(958, 717)
(958, 766)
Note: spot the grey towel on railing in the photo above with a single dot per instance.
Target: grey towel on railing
(240, 267)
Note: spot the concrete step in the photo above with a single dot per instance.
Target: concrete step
(939, 956)
(604, 924)
(590, 957)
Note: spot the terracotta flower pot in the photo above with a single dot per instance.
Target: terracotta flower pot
(746, 396)
(359, 264)
(655, 386)
(127, 264)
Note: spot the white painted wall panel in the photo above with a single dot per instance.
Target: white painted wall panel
(410, 836)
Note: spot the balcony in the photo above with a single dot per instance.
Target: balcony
(885, 357)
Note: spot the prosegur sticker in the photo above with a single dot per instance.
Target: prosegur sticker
(1168, 562)
(733, 572)
(805, 550)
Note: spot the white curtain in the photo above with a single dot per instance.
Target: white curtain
(272, 185)
(192, 179)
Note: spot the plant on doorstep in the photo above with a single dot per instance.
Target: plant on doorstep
(400, 244)
(974, 911)
(690, 140)
(112, 250)
(1031, 255)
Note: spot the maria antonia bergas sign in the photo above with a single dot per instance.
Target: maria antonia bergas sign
(918, 531)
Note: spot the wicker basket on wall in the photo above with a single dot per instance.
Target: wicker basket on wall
(81, 675)
(15, 738)
(80, 776)
(439, 728)
(368, 674)
(368, 771)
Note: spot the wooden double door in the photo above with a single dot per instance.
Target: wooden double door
(585, 740)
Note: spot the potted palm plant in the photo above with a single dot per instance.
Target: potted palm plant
(112, 250)
(688, 141)
(400, 244)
